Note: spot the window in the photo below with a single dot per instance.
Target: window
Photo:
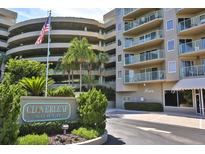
(170, 45)
(185, 98)
(119, 74)
(170, 98)
(178, 98)
(119, 42)
(119, 58)
(172, 66)
(170, 25)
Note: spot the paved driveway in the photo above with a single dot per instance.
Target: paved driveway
(134, 130)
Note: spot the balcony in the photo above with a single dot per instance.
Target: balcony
(192, 48)
(188, 11)
(192, 71)
(192, 26)
(131, 13)
(145, 41)
(106, 72)
(3, 44)
(128, 10)
(144, 59)
(153, 76)
(144, 23)
(44, 59)
(110, 46)
(112, 58)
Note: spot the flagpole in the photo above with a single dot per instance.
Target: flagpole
(48, 53)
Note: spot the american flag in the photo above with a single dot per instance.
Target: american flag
(44, 29)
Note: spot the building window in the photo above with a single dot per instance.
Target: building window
(170, 25)
(170, 98)
(119, 74)
(170, 45)
(119, 58)
(172, 66)
(178, 98)
(119, 42)
(185, 98)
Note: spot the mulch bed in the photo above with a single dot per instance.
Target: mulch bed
(61, 139)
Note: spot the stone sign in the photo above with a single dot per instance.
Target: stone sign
(38, 109)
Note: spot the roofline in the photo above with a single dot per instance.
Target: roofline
(58, 19)
(9, 13)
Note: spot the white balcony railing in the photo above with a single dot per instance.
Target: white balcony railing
(146, 56)
(147, 76)
(193, 46)
(128, 10)
(130, 42)
(191, 22)
(145, 19)
(192, 71)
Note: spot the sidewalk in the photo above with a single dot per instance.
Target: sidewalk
(179, 119)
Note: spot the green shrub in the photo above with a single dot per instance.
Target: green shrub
(9, 112)
(33, 140)
(62, 91)
(149, 106)
(91, 109)
(50, 128)
(86, 133)
(108, 92)
(19, 68)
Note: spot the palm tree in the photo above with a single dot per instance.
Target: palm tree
(91, 61)
(102, 58)
(64, 64)
(35, 85)
(79, 52)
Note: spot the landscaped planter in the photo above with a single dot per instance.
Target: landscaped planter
(97, 141)
(70, 139)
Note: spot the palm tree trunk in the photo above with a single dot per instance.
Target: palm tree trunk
(68, 77)
(101, 77)
(89, 75)
(80, 77)
(72, 79)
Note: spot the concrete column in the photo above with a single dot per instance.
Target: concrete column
(100, 43)
(202, 101)
(85, 28)
(100, 31)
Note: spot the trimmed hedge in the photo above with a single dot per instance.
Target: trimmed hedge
(146, 106)
(62, 91)
(33, 140)
(50, 128)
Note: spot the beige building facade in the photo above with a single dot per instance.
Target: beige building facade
(160, 49)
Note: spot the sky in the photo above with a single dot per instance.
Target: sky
(30, 13)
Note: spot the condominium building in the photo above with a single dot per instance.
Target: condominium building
(7, 19)
(161, 58)
(101, 36)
